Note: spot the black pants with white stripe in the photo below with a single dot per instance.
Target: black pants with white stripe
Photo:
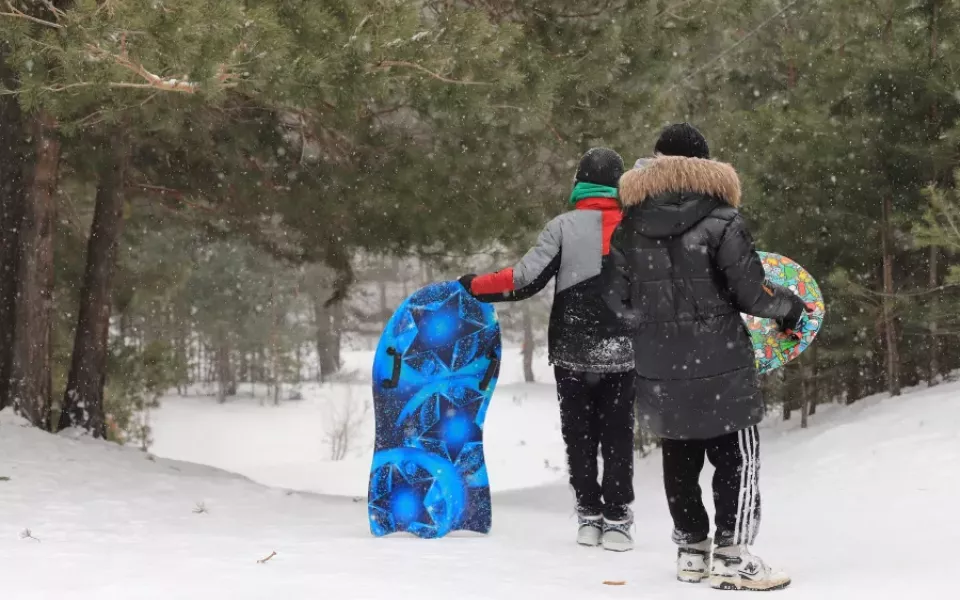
(596, 413)
(736, 495)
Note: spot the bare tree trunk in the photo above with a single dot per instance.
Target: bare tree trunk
(83, 397)
(808, 391)
(529, 344)
(30, 385)
(934, 326)
(226, 377)
(934, 251)
(277, 385)
(201, 357)
(889, 323)
(787, 393)
(814, 382)
(182, 346)
(12, 161)
(384, 309)
(327, 320)
(297, 363)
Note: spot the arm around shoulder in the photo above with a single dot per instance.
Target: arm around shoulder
(527, 277)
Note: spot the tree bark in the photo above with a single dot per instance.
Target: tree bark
(384, 309)
(226, 377)
(529, 345)
(83, 397)
(934, 251)
(327, 322)
(30, 379)
(786, 400)
(889, 324)
(814, 382)
(12, 163)
(297, 363)
(808, 389)
(934, 325)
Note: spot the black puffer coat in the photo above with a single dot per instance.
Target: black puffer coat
(688, 269)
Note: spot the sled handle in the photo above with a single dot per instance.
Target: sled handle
(395, 376)
(492, 369)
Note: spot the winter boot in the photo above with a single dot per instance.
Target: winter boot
(616, 534)
(693, 561)
(735, 568)
(591, 528)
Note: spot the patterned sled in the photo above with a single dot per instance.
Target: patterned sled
(772, 348)
(433, 375)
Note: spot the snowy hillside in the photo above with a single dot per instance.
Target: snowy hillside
(861, 505)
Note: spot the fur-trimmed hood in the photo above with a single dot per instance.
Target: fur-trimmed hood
(665, 174)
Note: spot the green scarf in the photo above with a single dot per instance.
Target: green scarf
(591, 190)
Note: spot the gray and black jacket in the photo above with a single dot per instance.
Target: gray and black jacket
(584, 334)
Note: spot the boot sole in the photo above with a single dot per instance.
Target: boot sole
(691, 577)
(616, 548)
(729, 585)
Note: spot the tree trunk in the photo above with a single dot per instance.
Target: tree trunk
(297, 363)
(934, 326)
(327, 322)
(856, 383)
(814, 382)
(808, 390)
(12, 162)
(226, 378)
(384, 309)
(83, 397)
(889, 324)
(791, 391)
(934, 251)
(182, 348)
(529, 345)
(30, 385)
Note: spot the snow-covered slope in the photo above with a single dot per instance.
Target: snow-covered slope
(861, 505)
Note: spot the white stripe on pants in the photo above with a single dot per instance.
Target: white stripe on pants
(748, 503)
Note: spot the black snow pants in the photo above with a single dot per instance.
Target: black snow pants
(596, 412)
(736, 495)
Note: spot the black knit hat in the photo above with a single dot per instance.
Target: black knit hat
(682, 139)
(602, 166)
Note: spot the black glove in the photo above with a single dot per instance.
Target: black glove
(791, 323)
(466, 280)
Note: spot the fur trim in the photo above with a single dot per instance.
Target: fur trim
(680, 174)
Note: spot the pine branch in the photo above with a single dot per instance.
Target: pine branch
(17, 14)
(386, 64)
(56, 12)
(607, 7)
(153, 81)
(736, 45)
(179, 195)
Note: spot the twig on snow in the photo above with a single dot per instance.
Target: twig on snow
(263, 561)
(26, 534)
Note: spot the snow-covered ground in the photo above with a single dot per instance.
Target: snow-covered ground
(863, 504)
(287, 445)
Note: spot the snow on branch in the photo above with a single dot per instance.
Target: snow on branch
(151, 81)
